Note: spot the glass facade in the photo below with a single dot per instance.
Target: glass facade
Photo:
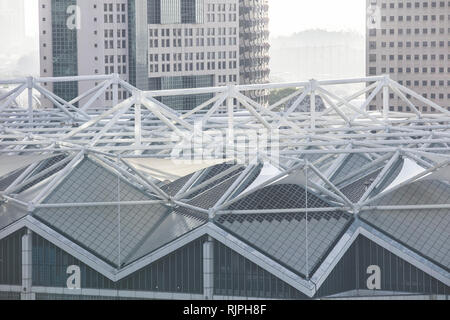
(137, 43)
(189, 11)
(154, 11)
(50, 296)
(65, 57)
(234, 275)
(9, 295)
(185, 102)
(175, 11)
(11, 259)
(132, 42)
(178, 272)
(397, 275)
(170, 11)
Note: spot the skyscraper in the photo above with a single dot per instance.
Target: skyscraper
(254, 44)
(155, 44)
(192, 43)
(409, 40)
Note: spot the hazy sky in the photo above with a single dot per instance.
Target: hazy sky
(289, 16)
(286, 16)
(32, 18)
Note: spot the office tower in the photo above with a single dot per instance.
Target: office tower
(155, 44)
(410, 41)
(83, 38)
(254, 45)
(192, 43)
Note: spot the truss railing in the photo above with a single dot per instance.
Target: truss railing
(142, 122)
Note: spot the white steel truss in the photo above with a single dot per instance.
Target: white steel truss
(313, 143)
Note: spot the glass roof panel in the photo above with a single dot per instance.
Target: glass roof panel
(90, 182)
(424, 230)
(280, 196)
(283, 236)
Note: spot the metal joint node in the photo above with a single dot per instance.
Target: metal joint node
(137, 94)
(30, 82)
(212, 213)
(313, 84)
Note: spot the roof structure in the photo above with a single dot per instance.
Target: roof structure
(99, 181)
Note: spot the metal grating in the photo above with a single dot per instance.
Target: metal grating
(6, 181)
(45, 164)
(211, 173)
(90, 182)
(281, 196)
(351, 163)
(355, 190)
(172, 188)
(207, 199)
(388, 178)
(247, 181)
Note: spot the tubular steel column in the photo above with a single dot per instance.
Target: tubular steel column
(312, 110)
(137, 128)
(115, 89)
(230, 144)
(27, 264)
(386, 98)
(30, 82)
(208, 268)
